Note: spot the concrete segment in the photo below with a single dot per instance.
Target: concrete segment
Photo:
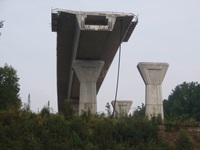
(153, 74)
(122, 107)
(87, 73)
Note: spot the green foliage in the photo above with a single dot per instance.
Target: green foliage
(45, 111)
(9, 88)
(165, 144)
(140, 111)
(184, 141)
(20, 129)
(68, 111)
(102, 133)
(1, 25)
(184, 100)
(135, 130)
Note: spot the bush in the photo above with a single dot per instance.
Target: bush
(184, 141)
(26, 130)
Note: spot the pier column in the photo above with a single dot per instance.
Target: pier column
(87, 73)
(122, 107)
(153, 75)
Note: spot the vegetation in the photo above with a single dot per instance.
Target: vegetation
(184, 101)
(1, 25)
(20, 129)
(184, 141)
(140, 111)
(9, 88)
(25, 130)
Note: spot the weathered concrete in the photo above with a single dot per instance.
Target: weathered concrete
(122, 107)
(153, 75)
(87, 73)
(86, 36)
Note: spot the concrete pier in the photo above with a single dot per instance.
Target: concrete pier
(87, 73)
(153, 74)
(122, 107)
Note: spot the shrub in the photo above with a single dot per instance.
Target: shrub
(184, 141)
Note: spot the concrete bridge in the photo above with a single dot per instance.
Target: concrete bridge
(86, 45)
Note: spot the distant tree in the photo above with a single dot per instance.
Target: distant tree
(140, 111)
(1, 25)
(184, 100)
(9, 88)
(45, 111)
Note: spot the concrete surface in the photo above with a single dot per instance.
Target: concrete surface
(153, 74)
(122, 107)
(87, 72)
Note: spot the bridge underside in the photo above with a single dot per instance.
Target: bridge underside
(93, 36)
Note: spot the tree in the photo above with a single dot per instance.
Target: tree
(184, 141)
(184, 100)
(9, 88)
(1, 25)
(140, 111)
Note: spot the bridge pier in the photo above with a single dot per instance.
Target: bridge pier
(122, 107)
(153, 75)
(87, 73)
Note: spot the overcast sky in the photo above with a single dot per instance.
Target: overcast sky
(167, 31)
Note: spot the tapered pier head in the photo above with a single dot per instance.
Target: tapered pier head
(88, 73)
(122, 107)
(153, 74)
